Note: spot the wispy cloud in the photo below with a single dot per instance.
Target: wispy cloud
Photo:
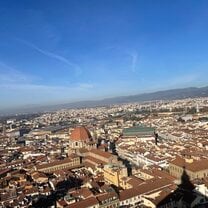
(183, 80)
(13, 80)
(133, 56)
(10, 74)
(31, 87)
(40, 88)
(85, 86)
(58, 57)
(134, 60)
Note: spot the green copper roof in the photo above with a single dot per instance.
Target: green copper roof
(138, 130)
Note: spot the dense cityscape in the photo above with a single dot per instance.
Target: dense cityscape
(127, 155)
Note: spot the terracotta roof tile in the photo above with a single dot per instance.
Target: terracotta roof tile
(80, 134)
(89, 202)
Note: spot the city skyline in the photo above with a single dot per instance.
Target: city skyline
(81, 50)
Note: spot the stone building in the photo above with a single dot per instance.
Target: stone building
(69, 163)
(80, 137)
(194, 168)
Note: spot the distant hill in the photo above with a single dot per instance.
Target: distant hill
(173, 94)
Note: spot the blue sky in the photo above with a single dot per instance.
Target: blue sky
(62, 51)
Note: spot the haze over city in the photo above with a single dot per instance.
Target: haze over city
(56, 52)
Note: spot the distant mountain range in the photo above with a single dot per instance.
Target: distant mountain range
(173, 94)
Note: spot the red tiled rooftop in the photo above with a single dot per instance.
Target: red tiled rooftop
(101, 153)
(80, 134)
(89, 202)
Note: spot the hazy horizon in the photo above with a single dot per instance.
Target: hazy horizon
(119, 99)
(60, 102)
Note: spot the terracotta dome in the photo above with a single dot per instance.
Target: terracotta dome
(80, 134)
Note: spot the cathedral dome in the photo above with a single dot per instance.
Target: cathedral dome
(80, 134)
